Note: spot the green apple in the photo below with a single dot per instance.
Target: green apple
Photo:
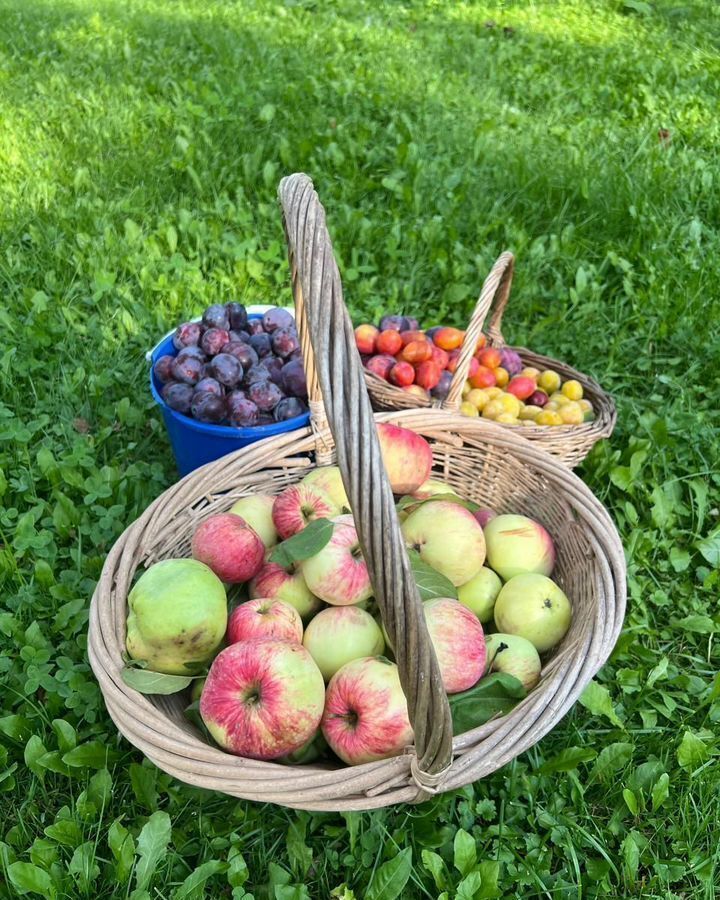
(328, 480)
(533, 607)
(257, 512)
(515, 656)
(177, 614)
(276, 582)
(479, 594)
(517, 545)
(339, 634)
(448, 538)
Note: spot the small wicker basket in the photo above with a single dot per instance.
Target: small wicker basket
(570, 443)
(483, 461)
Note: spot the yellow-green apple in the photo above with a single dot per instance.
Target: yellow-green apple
(515, 656)
(448, 538)
(459, 643)
(297, 506)
(366, 716)
(407, 457)
(276, 582)
(229, 546)
(328, 480)
(339, 634)
(517, 545)
(484, 515)
(533, 606)
(264, 618)
(177, 614)
(480, 593)
(432, 488)
(263, 699)
(257, 512)
(338, 574)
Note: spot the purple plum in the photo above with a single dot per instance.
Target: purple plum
(292, 379)
(440, 391)
(258, 372)
(277, 318)
(265, 395)
(274, 365)
(178, 396)
(413, 324)
(211, 385)
(255, 326)
(188, 369)
(237, 315)
(243, 353)
(285, 342)
(432, 331)
(187, 335)
(289, 408)
(193, 351)
(242, 412)
(394, 323)
(239, 335)
(226, 369)
(261, 344)
(510, 361)
(214, 340)
(216, 316)
(163, 368)
(208, 407)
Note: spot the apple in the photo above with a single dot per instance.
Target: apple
(338, 574)
(407, 457)
(448, 538)
(276, 582)
(257, 512)
(366, 716)
(264, 618)
(459, 643)
(229, 546)
(310, 751)
(297, 506)
(328, 480)
(432, 487)
(479, 594)
(534, 607)
(177, 614)
(517, 545)
(484, 516)
(338, 635)
(515, 656)
(263, 699)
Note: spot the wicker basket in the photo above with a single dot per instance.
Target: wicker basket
(570, 443)
(483, 461)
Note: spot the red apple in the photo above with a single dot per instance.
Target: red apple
(263, 618)
(275, 582)
(338, 574)
(366, 715)
(229, 546)
(459, 643)
(298, 505)
(263, 699)
(407, 457)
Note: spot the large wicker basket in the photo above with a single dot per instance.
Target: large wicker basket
(570, 443)
(483, 461)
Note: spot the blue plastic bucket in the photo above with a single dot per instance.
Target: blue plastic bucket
(196, 443)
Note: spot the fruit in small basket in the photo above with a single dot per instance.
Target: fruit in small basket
(229, 546)
(387, 342)
(448, 537)
(208, 407)
(401, 374)
(262, 619)
(427, 375)
(538, 398)
(571, 413)
(502, 376)
(177, 614)
(365, 716)
(448, 338)
(365, 338)
(277, 582)
(393, 323)
(534, 607)
(572, 389)
(256, 510)
(490, 357)
(328, 480)
(522, 387)
(459, 642)
(298, 505)
(339, 634)
(517, 545)
(178, 396)
(548, 417)
(416, 352)
(510, 361)
(468, 409)
(407, 457)
(432, 488)
(530, 372)
(549, 381)
(381, 365)
(338, 574)
(263, 699)
(515, 656)
(483, 378)
(442, 388)
(480, 593)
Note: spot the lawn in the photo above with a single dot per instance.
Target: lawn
(140, 150)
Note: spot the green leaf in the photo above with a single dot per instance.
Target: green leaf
(17, 728)
(390, 879)
(34, 749)
(631, 857)
(65, 733)
(679, 559)
(291, 892)
(92, 755)
(143, 780)
(630, 800)
(567, 760)
(29, 879)
(299, 854)
(597, 869)
(65, 831)
(147, 682)
(660, 791)
(198, 878)
(469, 887)
(430, 583)
(709, 547)
(464, 852)
(122, 847)
(435, 865)
(495, 693)
(697, 624)
(152, 843)
(304, 544)
(611, 759)
(83, 866)
(238, 872)
(596, 699)
(490, 872)
(692, 752)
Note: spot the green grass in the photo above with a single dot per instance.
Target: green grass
(140, 149)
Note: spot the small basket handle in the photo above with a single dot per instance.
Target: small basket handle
(495, 292)
(324, 323)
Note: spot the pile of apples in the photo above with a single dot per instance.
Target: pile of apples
(303, 664)
(498, 386)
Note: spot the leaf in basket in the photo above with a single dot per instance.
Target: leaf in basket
(496, 693)
(430, 582)
(147, 682)
(304, 544)
(409, 504)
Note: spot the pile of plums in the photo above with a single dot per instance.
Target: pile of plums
(233, 369)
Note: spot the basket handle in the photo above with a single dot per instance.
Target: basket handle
(495, 292)
(319, 302)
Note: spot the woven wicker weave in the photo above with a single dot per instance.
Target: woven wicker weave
(484, 462)
(570, 443)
